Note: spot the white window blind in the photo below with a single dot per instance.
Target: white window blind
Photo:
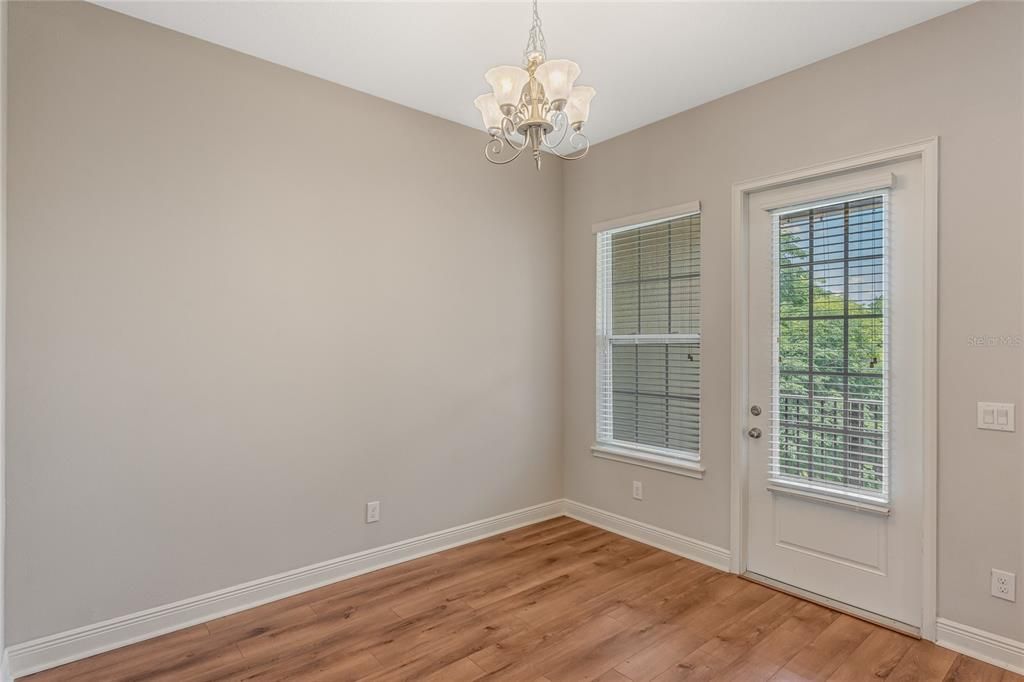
(648, 322)
(831, 375)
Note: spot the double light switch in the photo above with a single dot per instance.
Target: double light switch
(996, 416)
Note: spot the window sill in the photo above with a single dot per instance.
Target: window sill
(672, 465)
(855, 502)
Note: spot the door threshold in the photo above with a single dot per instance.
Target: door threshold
(842, 607)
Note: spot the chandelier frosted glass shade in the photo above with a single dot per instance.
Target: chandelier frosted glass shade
(507, 83)
(557, 77)
(578, 106)
(489, 109)
(535, 107)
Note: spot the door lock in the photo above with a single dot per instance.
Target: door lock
(755, 410)
(754, 432)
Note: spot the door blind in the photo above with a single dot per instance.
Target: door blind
(649, 337)
(830, 388)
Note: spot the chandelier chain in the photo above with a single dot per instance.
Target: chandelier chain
(536, 43)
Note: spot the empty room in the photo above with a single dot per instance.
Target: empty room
(525, 341)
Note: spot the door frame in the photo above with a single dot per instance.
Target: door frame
(928, 152)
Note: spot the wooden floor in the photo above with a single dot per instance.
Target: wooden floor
(559, 600)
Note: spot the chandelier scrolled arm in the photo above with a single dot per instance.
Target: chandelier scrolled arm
(580, 145)
(509, 124)
(502, 138)
(498, 143)
(532, 106)
(560, 121)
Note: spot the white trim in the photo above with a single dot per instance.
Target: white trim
(649, 460)
(53, 650)
(738, 383)
(839, 499)
(640, 339)
(838, 187)
(648, 217)
(927, 150)
(5, 667)
(985, 646)
(705, 553)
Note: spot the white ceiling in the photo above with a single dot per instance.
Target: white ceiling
(647, 60)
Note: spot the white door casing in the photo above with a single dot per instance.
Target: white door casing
(873, 550)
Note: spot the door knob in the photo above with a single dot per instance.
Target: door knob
(754, 432)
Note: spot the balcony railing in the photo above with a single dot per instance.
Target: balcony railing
(831, 439)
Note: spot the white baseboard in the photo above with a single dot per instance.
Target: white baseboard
(53, 650)
(705, 553)
(5, 668)
(985, 646)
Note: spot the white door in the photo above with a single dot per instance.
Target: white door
(836, 373)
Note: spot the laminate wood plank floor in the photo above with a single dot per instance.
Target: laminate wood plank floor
(556, 601)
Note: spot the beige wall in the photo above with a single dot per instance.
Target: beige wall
(960, 77)
(243, 302)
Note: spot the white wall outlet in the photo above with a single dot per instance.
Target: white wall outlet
(996, 416)
(372, 512)
(638, 490)
(1004, 585)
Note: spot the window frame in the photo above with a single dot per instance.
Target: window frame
(857, 494)
(681, 462)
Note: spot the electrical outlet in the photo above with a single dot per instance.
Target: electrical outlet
(372, 512)
(1004, 585)
(638, 490)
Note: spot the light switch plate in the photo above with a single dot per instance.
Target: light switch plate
(996, 417)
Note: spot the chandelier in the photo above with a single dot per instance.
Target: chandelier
(536, 107)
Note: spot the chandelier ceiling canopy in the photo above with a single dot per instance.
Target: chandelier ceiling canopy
(536, 107)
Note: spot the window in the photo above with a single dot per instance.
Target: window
(831, 326)
(648, 299)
